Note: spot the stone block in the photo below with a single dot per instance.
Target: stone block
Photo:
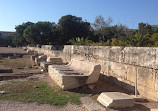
(115, 54)
(118, 70)
(48, 47)
(45, 65)
(116, 100)
(146, 77)
(104, 67)
(131, 73)
(38, 60)
(33, 57)
(54, 60)
(140, 56)
(42, 57)
(29, 51)
(77, 73)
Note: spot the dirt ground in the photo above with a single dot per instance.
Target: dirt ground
(17, 106)
(6, 50)
(99, 87)
(18, 64)
(103, 86)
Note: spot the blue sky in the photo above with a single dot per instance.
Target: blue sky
(126, 12)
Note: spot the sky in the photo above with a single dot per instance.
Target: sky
(126, 12)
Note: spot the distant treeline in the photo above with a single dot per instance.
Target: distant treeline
(73, 30)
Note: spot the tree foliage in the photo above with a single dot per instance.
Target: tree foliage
(104, 31)
(73, 30)
(145, 29)
(38, 33)
(19, 39)
(6, 41)
(71, 27)
(80, 41)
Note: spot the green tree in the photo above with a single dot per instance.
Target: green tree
(6, 41)
(154, 39)
(117, 42)
(71, 26)
(138, 40)
(102, 28)
(19, 39)
(104, 31)
(39, 33)
(145, 28)
(108, 33)
(0, 34)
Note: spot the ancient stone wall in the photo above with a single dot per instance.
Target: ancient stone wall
(119, 64)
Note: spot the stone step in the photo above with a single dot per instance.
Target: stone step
(116, 100)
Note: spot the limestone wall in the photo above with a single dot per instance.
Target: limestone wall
(66, 56)
(119, 64)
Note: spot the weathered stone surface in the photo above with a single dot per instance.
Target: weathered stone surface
(116, 100)
(154, 109)
(118, 70)
(131, 73)
(146, 77)
(145, 56)
(54, 60)
(77, 73)
(148, 92)
(104, 67)
(40, 59)
(29, 51)
(45, 65)
(33, 57)
(156, 81)
(49, 47)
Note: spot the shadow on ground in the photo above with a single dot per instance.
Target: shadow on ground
(107, 86)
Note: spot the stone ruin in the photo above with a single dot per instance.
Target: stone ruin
(118, 64)
(77, 73)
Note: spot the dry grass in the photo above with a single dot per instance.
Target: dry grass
(17, 64)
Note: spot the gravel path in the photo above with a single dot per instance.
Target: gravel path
(18, 106)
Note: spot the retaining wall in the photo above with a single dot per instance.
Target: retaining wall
(119, 64)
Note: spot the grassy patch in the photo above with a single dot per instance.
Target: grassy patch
(38, 91)
(17, 64)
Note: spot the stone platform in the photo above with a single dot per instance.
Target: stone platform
(116, 100)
